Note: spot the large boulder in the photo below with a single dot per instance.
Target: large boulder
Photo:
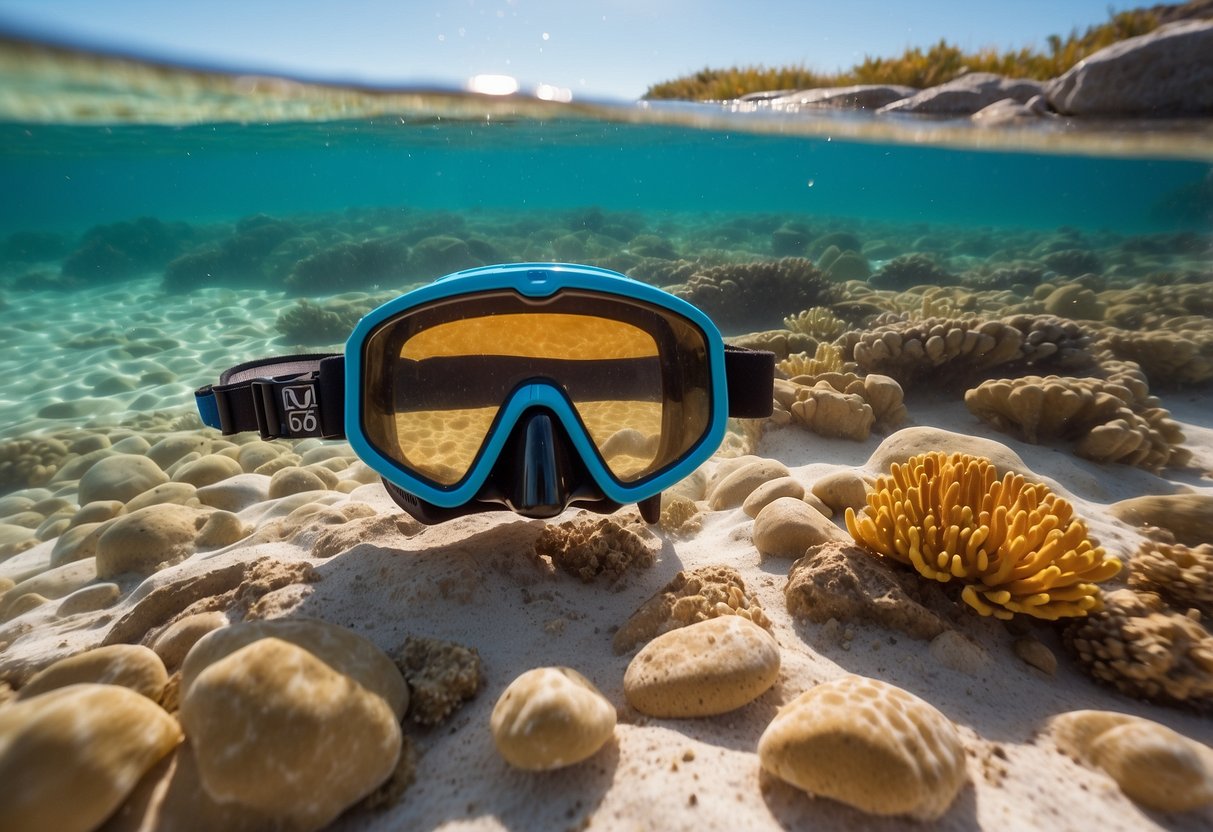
(966, 95)
(1168, 72)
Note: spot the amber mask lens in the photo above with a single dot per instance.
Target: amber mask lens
(435, 382)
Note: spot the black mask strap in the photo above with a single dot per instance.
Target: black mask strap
(297, 396)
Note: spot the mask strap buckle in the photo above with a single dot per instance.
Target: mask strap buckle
(287, 407)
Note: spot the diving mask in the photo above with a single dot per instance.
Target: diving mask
(528, 387)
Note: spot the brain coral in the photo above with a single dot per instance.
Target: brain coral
(908, 350)
(1111, 421)
(1015, 544)
(830, 413)
(882, 395)
(1043, 408)
(1146, 650)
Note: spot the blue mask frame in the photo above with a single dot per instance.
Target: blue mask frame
(534, 280)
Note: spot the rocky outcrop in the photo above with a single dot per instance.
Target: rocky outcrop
(1168, 72)
(1165, 73)
(857, 97)
(966, 95)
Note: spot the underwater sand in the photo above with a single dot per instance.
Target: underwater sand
(120, 353)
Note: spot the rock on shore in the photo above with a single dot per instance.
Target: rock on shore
(1166, 73)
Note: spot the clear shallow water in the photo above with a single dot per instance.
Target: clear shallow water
(71, 177)
(130, 187)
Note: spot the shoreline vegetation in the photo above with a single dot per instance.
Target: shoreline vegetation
(938, 64)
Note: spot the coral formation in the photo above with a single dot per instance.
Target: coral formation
(789, 239)
(908, 270)
(839, 240)
(749, 296)
(1149, 306)
(1073, 262)
(1074, 301)
(1170, 357)
(818, 322)
(826, 359)
(1182, 575)
(1110, 421)
(30, 461)
(1043, 408)
(328, 322)
(831, 413)
(588, 547)
(881, 394)
(782, 342)
(680, 516)
(442, 676)
(948, 349)
(848, 265)
(1149, 440)
(1015, 545)
(691, 596)
(1014, 276)
(124, 249)
(907, 351)
(351, 265)
(241, 257)
(1146, 650)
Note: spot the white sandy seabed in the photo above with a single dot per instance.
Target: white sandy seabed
(87, 357)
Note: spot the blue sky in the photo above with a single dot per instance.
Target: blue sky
(594, 48)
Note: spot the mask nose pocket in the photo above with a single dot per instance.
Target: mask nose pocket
(538, 472)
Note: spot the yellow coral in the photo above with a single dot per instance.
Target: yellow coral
(818, 322)
(1015, 543)
(827, 359)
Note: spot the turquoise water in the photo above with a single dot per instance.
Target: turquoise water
(71, 177)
